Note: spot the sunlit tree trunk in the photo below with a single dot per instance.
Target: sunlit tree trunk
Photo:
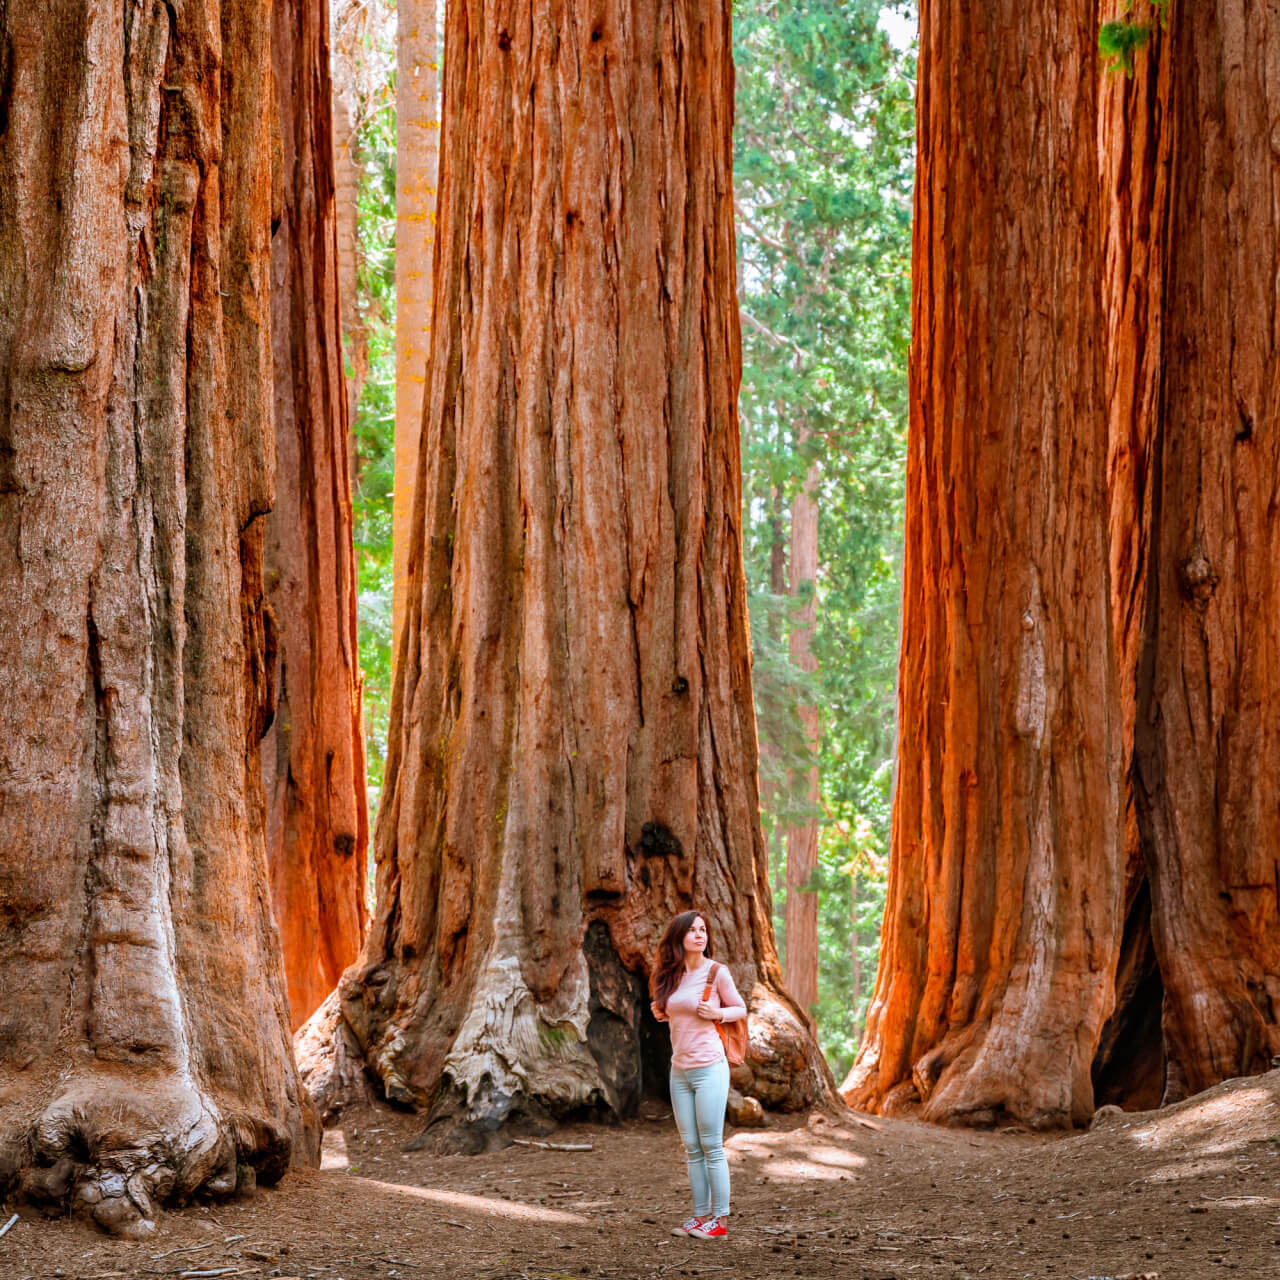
(145, 1049)
(572, 750)
(1002, 925)
(801, 912)
(417, 162)
(313, 756)
(346, 169)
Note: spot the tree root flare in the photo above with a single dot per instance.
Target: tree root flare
(113, 1150)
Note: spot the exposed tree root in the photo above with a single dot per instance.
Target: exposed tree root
(114, 1147)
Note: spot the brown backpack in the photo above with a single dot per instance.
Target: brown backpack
(733, 1035)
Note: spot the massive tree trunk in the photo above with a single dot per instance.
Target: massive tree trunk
(1206, 678)
(144, 1049)
(1192, 302)
(417, 162)
(573, 751)
(313, 757)
(801, 912)
(1134, 137)
(1005, 893)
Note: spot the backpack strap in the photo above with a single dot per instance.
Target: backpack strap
(711, 979)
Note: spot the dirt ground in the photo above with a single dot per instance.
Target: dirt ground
(1183, 1194)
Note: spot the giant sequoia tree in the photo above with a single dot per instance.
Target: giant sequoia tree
(1170, 924)
(1000, 936)
(573, 752)
(1194, 347)
(313, 757)
(144, 1047)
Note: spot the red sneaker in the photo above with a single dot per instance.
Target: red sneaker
(686, 1228)
(711, 1229)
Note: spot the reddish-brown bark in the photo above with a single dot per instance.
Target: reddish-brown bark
(1193, 248)
(313, 757)
(144, 1046)
(1002, 925)
(1206, 674)
(572, 752)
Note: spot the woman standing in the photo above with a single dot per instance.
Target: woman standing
(692, 993)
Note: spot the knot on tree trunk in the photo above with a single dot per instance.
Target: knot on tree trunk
(1198, 579)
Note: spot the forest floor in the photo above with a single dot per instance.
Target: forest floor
(1181, 1194)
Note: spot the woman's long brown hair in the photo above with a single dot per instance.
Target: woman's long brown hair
(669, 967)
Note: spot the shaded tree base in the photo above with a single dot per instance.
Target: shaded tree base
(453, 1130)
(512, 1072)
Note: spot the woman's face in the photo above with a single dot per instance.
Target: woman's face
(696, 939)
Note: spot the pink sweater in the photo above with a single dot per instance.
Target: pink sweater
(695, 1042)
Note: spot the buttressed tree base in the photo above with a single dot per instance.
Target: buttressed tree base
(144, 1039)
(572, 753)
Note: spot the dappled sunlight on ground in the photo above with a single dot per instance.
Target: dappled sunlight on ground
(483, 1205)
(1209, 1124)
(795, 1158)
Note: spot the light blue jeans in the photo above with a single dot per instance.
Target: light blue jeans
(698, 1097)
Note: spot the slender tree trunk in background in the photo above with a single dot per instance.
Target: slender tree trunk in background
(346, 169)
(1207, 677)
(770, 753)
(572, 751)
(777, 549)
(417, 163)
(1002, 927)
(801, 912)
(313, 756)
(855, 943)
(145, 1051)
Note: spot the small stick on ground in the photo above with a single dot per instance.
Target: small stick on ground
(553, 1146)
(189, 1248)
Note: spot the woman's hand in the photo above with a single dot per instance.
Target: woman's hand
(707, 1010)
(657, 1012)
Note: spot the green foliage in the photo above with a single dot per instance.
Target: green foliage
(823, 174)
(1120, 40)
